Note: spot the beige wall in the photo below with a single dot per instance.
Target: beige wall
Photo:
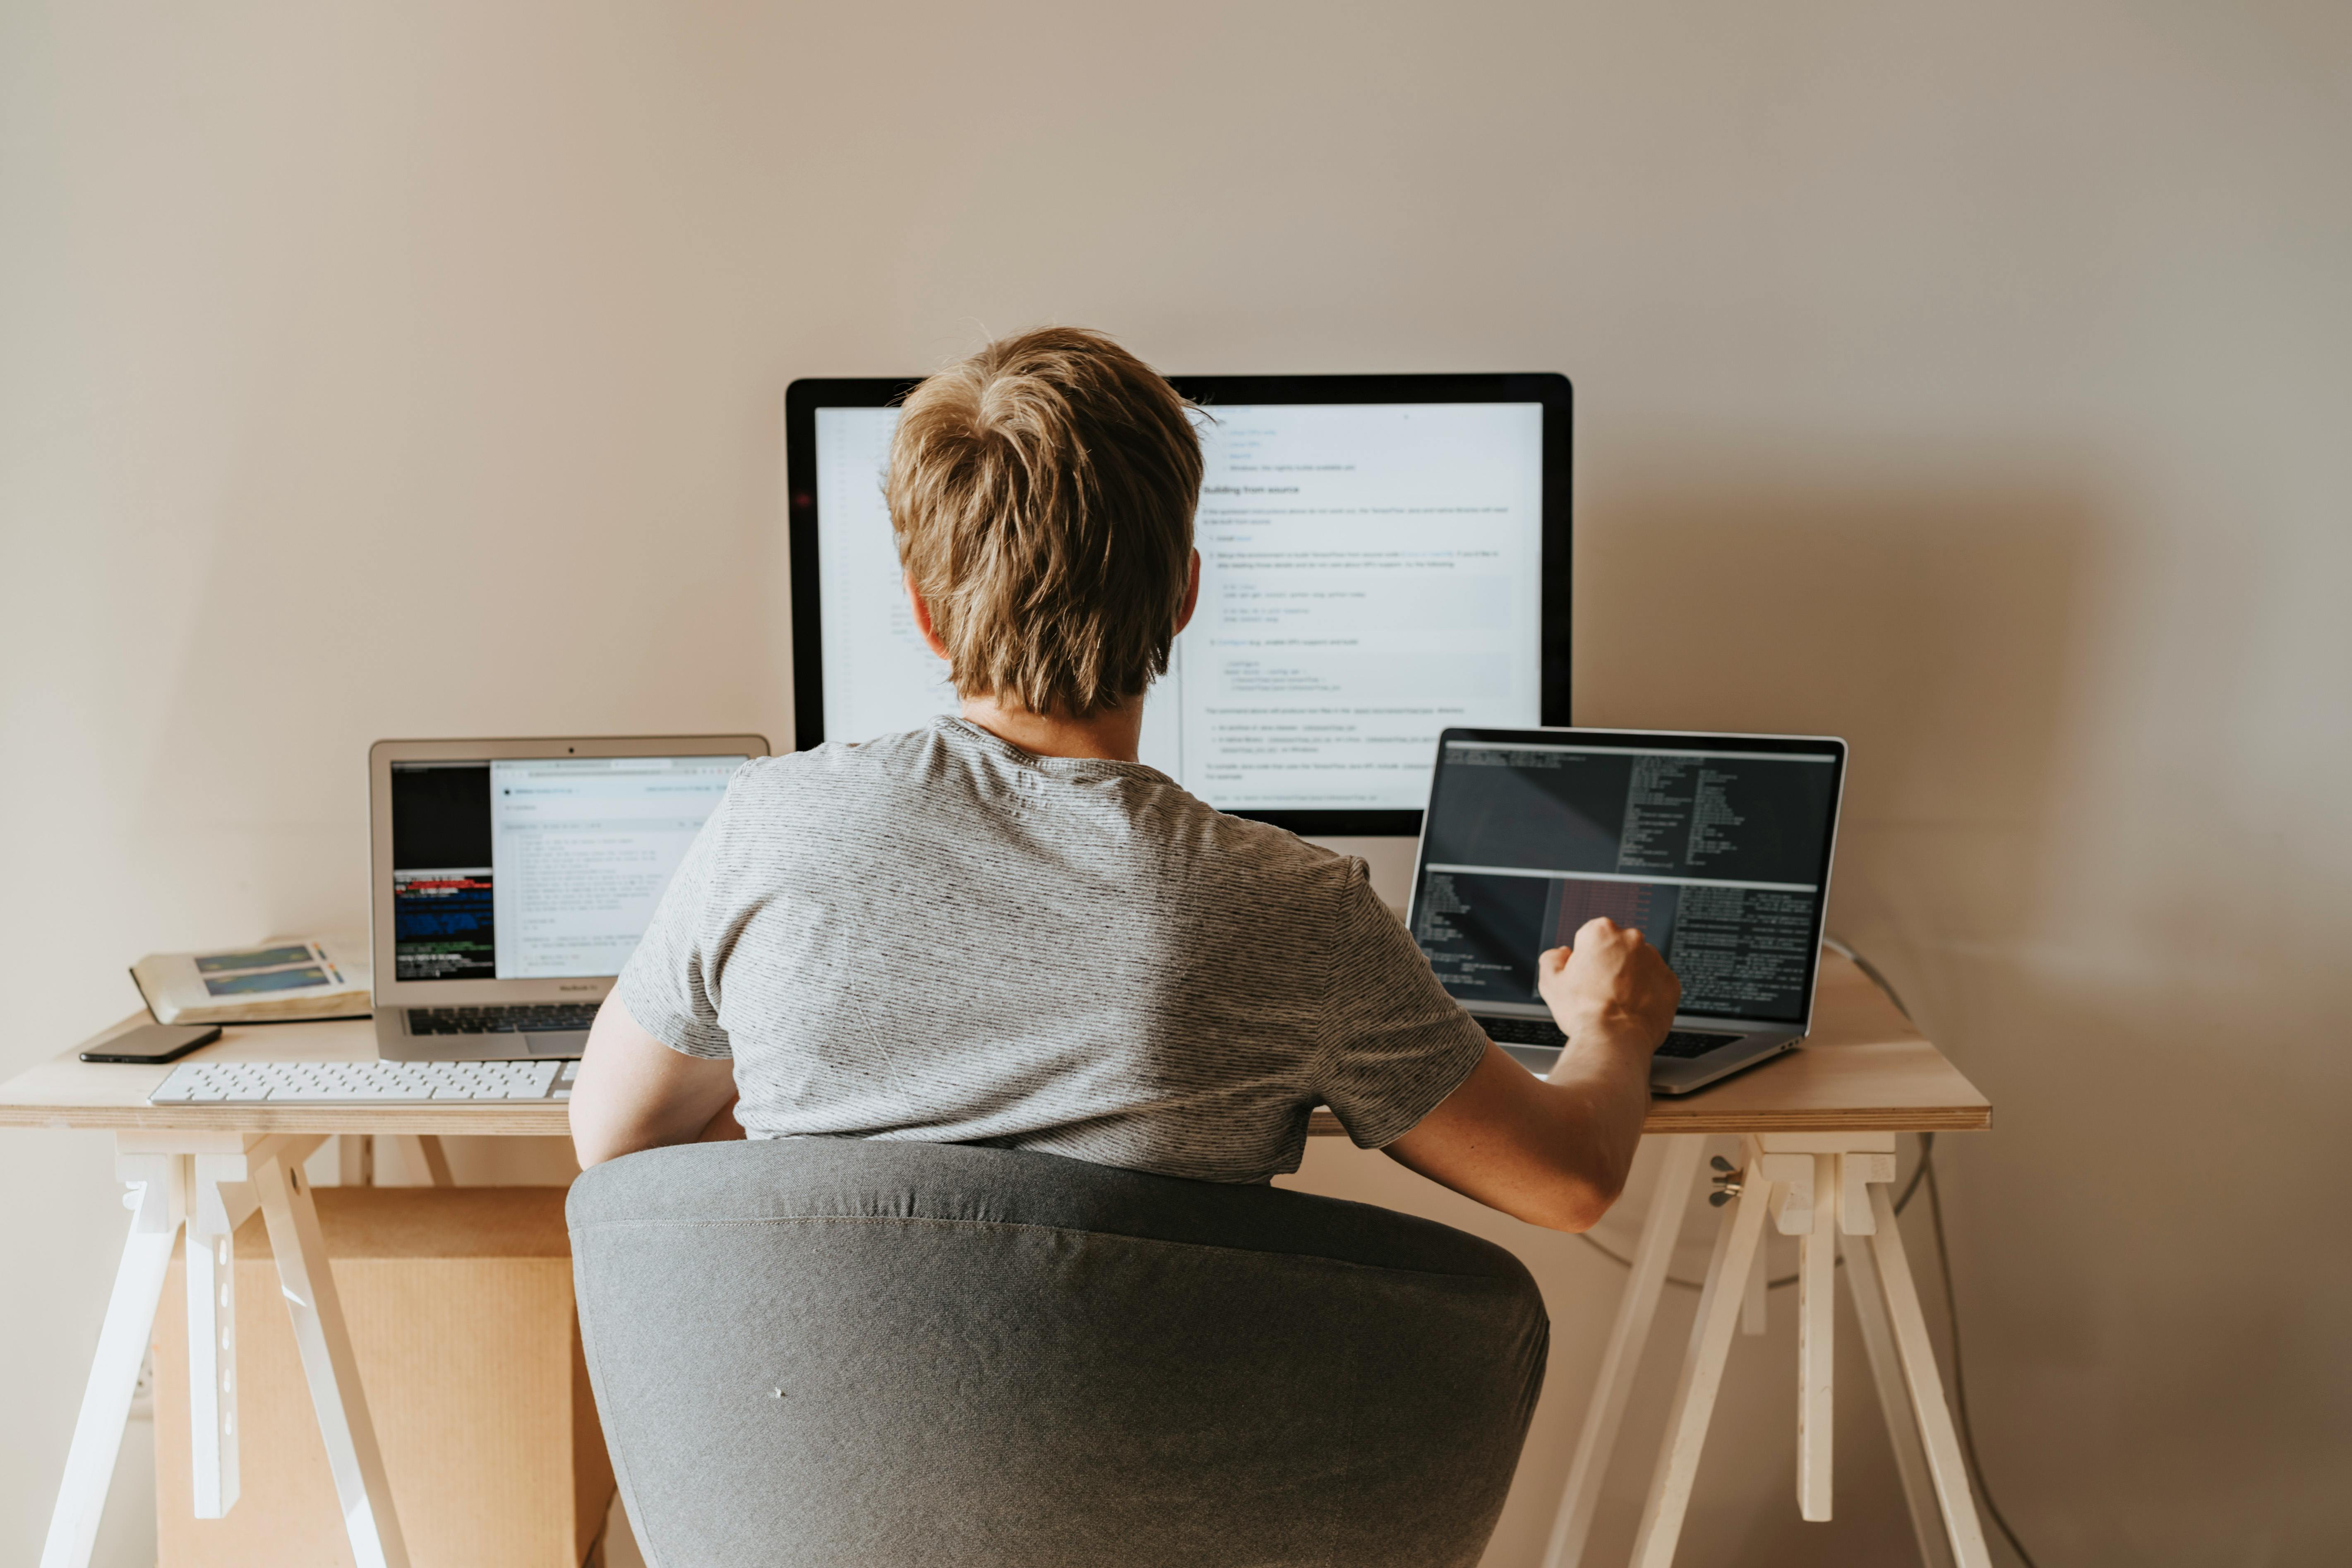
(1969, 380)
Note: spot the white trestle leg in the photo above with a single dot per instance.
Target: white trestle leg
(1817, 1343)
(1622, 1358)
(1902, 1424)
(157, 1202)
(422, 1154)
(1754, 1305)
(355, 1158)
(1829, 1191)
(1918, 1357)
(220, 1203)
(1702, 1375)
(325, 1346)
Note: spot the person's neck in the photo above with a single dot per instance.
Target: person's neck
(1111, 735)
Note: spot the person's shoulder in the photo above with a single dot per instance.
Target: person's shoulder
(787, 768)
(793, 778)
(1263, 854)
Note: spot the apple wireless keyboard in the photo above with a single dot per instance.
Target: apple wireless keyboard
(363, 1083)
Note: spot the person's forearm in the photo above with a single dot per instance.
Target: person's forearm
(1601, 1086)
(1553, 1153)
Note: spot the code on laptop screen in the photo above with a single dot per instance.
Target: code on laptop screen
(1718, 856)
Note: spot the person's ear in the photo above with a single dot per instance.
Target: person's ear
(1192, 593)
(930, 634)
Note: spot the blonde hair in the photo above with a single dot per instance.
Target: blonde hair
(1040, 495)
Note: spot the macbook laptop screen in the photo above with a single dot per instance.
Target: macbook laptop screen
(542, 868)
(1716, 848)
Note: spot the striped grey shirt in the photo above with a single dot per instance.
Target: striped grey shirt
(940, 936)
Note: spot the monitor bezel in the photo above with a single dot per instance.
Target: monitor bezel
(391, 992)
(1667, 740)
(804, 396)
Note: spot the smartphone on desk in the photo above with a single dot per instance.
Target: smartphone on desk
(153, 1043)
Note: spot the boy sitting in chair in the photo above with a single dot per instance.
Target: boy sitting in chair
(1002, 928)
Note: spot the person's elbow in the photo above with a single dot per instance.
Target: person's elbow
(1576, 1203)
(596, 1135)
(633, 1091)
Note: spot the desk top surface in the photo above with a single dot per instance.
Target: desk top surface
(1863, 1068)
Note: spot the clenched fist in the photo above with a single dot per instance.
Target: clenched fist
(1611, 988)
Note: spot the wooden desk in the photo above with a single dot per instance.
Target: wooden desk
(1819, 1126)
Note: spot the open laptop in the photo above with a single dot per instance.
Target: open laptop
(510, 879)
(1718, 848)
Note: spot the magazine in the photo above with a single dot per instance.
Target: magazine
(278, 981)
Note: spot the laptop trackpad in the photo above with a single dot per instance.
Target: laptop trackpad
(561, 1043)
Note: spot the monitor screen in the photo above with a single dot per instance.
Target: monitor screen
(1717, 848)
(542, 868)
(1380, 557)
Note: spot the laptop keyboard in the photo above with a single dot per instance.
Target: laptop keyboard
(520, 1018)
(1682, 1044)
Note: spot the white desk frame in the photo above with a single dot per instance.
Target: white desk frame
(210, 1182)
(1829, 1189)
(1819, 1152)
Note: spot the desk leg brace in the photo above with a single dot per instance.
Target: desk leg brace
(157, 1202)
(218, 1202)
(422, 1154)
(325, 1344)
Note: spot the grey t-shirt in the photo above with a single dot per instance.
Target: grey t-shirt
(940, 936)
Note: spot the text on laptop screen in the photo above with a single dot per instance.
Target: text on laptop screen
(1717, 856)
(1371, 573)
(539, 868)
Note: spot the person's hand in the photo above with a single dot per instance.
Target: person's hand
(1610, 986)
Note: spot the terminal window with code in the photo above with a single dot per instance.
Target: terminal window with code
(1717, 857)
(538, 868)
(1371, 574)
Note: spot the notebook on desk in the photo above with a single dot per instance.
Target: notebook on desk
(510, 880)
(1716, 848)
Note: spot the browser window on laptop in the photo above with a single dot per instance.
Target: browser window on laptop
(532, 869)
(513, 879)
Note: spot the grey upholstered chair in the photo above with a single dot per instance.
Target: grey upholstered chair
(832, 1351)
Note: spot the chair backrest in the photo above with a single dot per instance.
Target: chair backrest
(839, 1350)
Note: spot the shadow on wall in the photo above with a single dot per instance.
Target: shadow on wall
(1935, 626)
(1934, 615)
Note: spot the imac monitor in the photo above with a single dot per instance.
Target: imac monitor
(1382, 557)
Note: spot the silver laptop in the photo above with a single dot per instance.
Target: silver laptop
(510, 880)
(1718, 848)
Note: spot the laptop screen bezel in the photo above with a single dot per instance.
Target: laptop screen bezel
(1654, 739)
(391, 992)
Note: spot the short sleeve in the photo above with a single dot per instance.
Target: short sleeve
(668, 984)
(1394, 1044)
